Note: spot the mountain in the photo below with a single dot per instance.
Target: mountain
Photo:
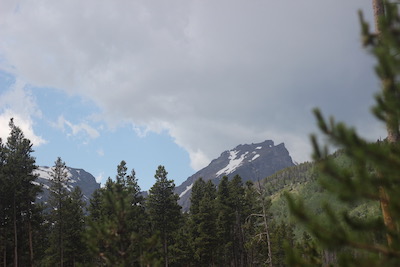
(250, 161)
(78, 177)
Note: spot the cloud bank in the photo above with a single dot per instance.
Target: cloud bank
(18, 103)
(212, 74)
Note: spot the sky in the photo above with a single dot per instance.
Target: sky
(178, 82)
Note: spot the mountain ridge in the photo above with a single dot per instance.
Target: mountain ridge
(250, 161)
(77, 177)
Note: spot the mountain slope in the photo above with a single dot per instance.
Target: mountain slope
(78, 177)
(250, 161)
(304, 181)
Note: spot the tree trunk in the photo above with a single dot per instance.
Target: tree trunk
(30, 242)
(266, 226)
(5, 257)
(165, 251)
(392, 124)
(379, 10)
(387, 216)
(15, 232)
(392, 127)
(60, 229)
(267, 233)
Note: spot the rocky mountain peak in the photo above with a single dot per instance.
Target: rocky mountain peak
(250, 161)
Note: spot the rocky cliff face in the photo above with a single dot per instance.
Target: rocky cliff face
(250, 161)
(77, 177)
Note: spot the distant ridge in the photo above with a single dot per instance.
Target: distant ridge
(250, 161)
(78, 177)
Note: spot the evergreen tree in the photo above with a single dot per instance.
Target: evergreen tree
(58, 211)
(136, 216)
(5, 205)
(164, 210)
(308, 250)
(18, 202)
(181, 250)
(117, 232)
(257, 226)
(282, 236)
(74, 227)
(203, 215)
(238, 203)
(95, 208)
(374, 176)
(225, 221)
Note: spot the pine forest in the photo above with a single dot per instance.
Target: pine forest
(341, 209)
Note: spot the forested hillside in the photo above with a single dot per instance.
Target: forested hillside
(306, 181)
(229, 224)
(232, 224)
(342, 209)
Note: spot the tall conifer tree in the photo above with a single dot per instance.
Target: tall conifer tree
(58, 210)
(116, 234)
(225, 220)
(203, 214)
(17, 178)
(74, 227)
(163, 209)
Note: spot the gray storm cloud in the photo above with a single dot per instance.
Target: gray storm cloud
(212, 73)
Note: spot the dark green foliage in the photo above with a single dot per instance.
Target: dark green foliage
(282, 236)
(75, 248)
(255, 232)
(58, 211)
(116, 235)
(225, 226)
(164, 211)
(108, 236)
(225, 220)
(18, 193)
(219, 229)
(66, 221)
(291, 176)
(95, 205)
(203, 216)
(181, 250)
(237, 199)
(364, 239)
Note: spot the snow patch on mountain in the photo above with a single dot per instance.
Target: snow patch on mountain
(45, 172)
(76, 177)
(186, 190)
(255, 157)
(43, 185)
(250, 161)
(233, 164)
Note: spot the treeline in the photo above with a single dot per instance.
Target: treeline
(228, 225)
(292, 176)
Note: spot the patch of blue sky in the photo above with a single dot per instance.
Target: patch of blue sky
(143, 154)
(55, 103)
(6, 80)
(81, 142)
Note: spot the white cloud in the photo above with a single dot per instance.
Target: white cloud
(24, 123)
(100, 178)
(198, 159)
(211, 73)
(17, 102)
(76, 129)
